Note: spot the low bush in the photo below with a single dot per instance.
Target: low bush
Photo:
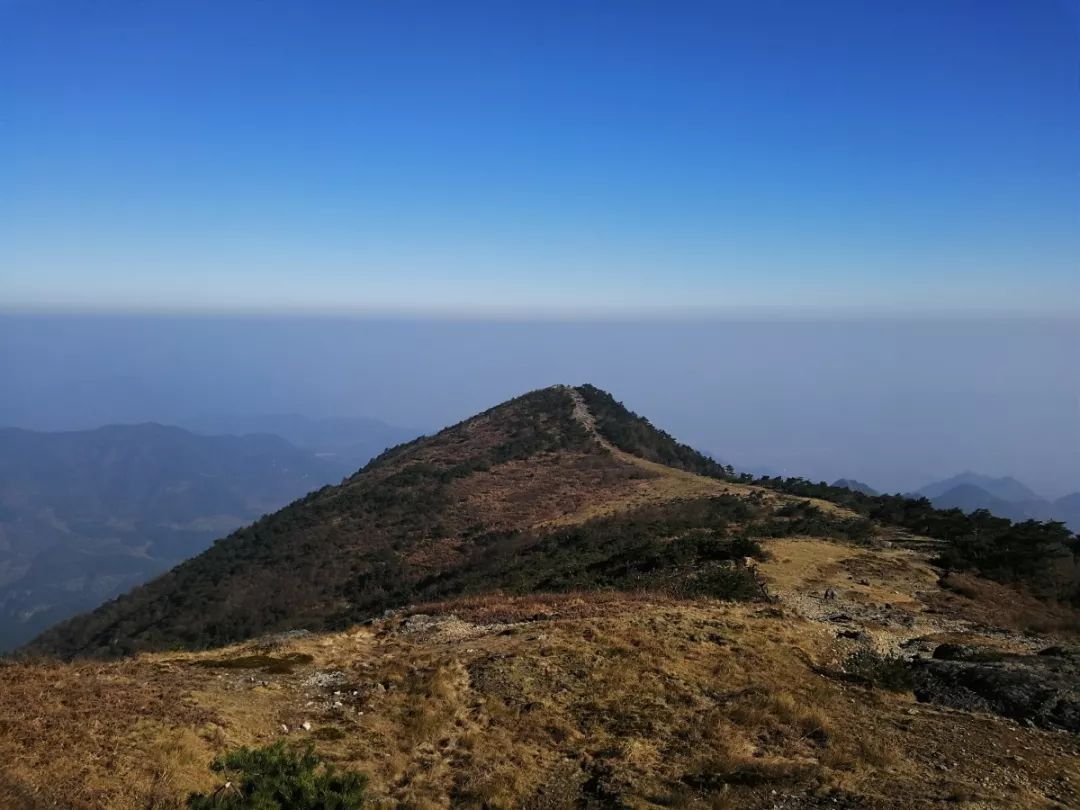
(885, 671)
(278, 778)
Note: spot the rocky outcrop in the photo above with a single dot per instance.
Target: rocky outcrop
(1043, 690)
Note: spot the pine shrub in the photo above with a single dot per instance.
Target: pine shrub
(279, 778)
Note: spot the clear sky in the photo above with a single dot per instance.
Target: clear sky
(511, 156)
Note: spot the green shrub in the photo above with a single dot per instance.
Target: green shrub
(885, 671)
(277, 778)
(735, 583)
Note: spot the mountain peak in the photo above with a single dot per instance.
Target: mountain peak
(1006, 487)
(414, 518)
(560, 417)
(539, 421)
(855, 486)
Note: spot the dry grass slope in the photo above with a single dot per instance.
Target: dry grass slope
(589, 699)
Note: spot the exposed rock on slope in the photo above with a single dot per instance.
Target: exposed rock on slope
(1040, 689)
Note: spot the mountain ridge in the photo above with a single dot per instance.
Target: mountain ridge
(349, 442)
(416, 511)
(559, 488)
(969, 497)
(529, 609)
(855, 485)
(1004, 487)
(1003, 496)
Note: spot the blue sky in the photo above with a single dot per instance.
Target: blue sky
(545, 156)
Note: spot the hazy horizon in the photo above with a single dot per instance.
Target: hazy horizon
(895, 403)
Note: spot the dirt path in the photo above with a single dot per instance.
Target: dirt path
(681, 483)
(585, 418)
(696, 482)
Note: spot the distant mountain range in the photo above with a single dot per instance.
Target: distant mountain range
(856, 486)
(1006, 489)
(1004, 497)
(87, 515)
(346, 442)
(969, 497)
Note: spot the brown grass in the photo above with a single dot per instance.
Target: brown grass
(499, 608)
(531, 702)
(993, 604)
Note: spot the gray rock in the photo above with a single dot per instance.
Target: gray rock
(1059, 651)
(966, 652)
(1043, 690)
(855, 635)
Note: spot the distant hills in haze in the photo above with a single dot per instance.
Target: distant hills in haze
(1068, 508)
(1005, 497)
(346, 442)
(1006, 489)
(86, 515)
(969, 497)
(856, 486)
